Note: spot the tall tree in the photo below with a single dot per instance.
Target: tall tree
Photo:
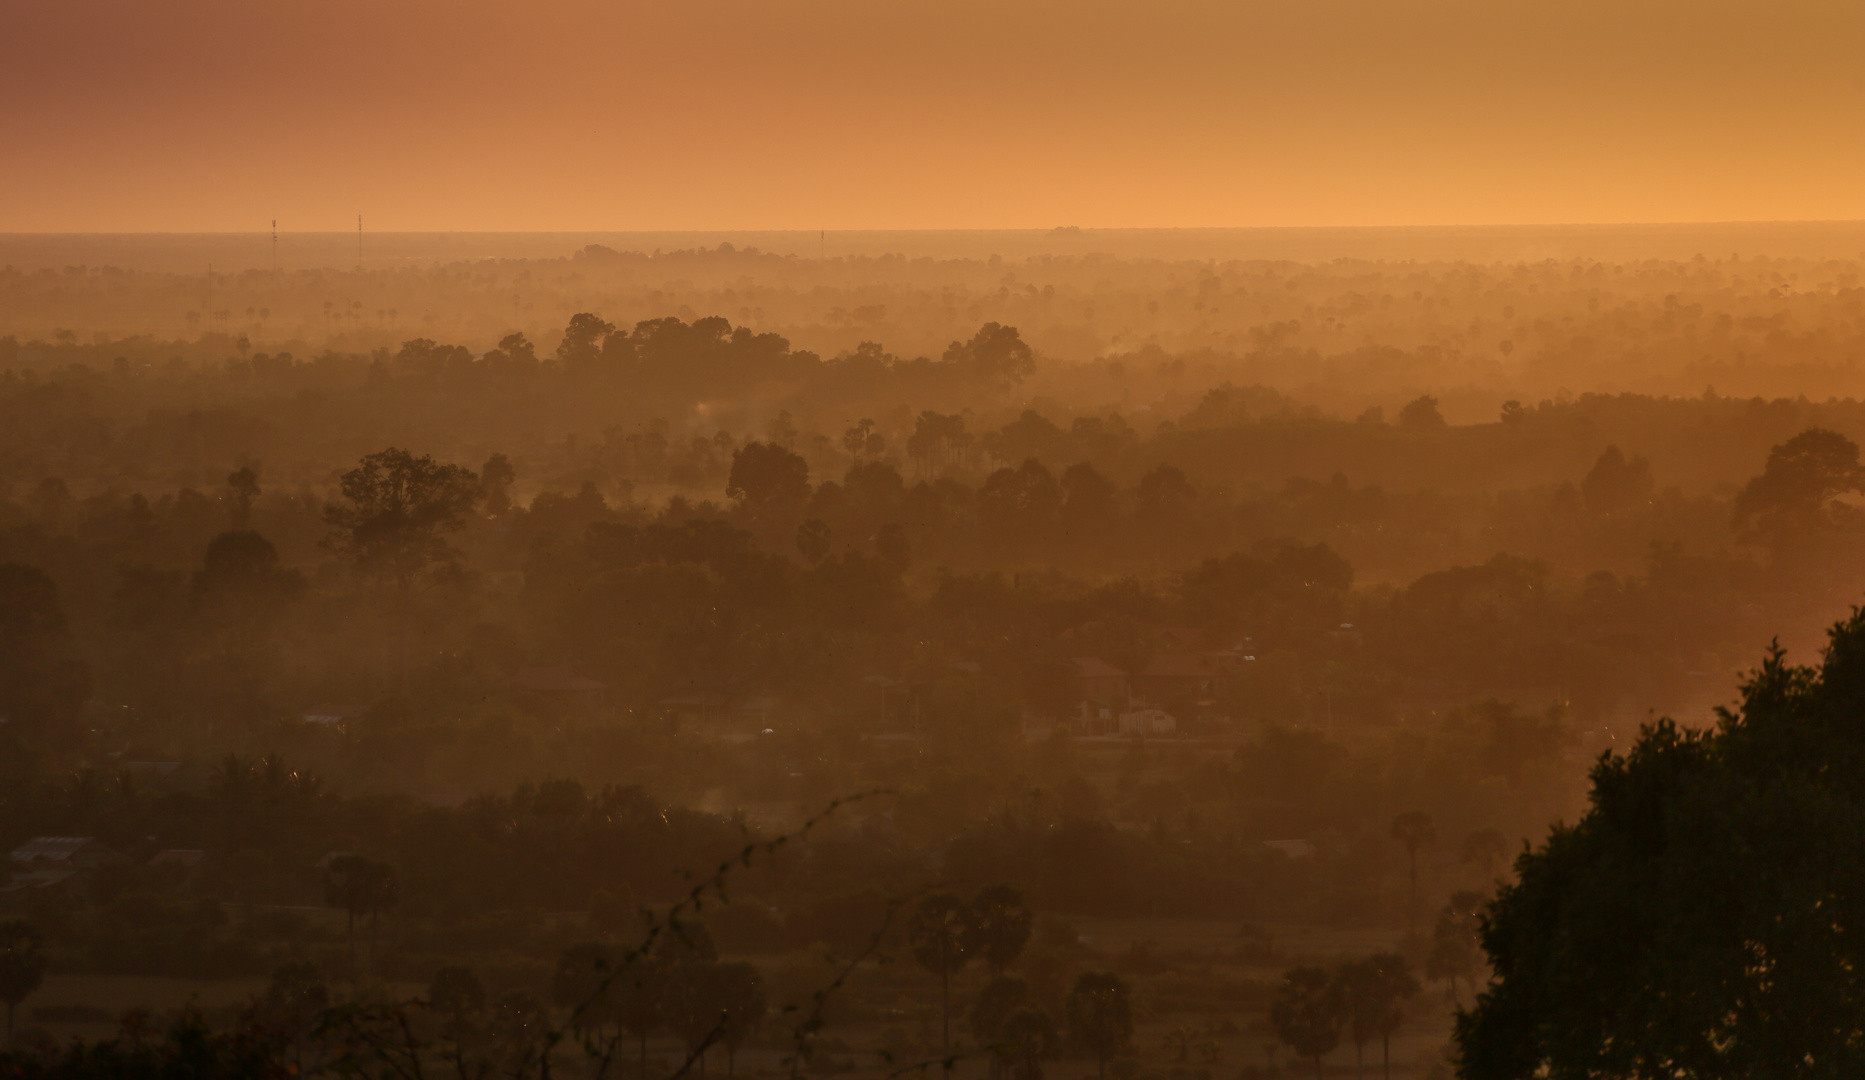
(943, 937)
(1415, 830)
(1373, 993)
(1001, 924)
(1615, 484)
(1000, 999)
(995, 354)
(495, 484)
(1800, 495)
(581, 347)
(242, 489)
(457, 996)
(1027, 1039)
(768, 479)
(739, 994)
(1100, 1017)
(396, 511)
(361, 886)
(637, 1000)
(1308, 1012)
(581, 985)
(1456, 948)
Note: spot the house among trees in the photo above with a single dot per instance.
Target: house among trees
(1147, 721)
(57, 863)
(63, 853)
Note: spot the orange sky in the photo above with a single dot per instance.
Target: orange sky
(128, 115)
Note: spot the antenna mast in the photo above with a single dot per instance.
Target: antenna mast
(275, 246)
(359, 239)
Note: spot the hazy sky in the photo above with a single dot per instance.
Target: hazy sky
(579, 114)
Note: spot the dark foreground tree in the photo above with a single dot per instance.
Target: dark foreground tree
(1703, 918)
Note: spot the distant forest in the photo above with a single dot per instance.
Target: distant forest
(1147, 589)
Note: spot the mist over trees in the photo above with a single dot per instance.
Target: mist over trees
(1187, 652)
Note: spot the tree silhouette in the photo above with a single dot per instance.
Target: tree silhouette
(457, 996)
(1421, 414)
(581, 346)
(1798, 495)
(1615, 484)
(1000, 999)
(996, 354)
(360, 886)
(1026, 1040)
(1308, 1012)
(693, 1014)
(396, 508)
(579, 984)
(943, 935)
(1100, 1017)
(1415, 830)
(1456, 948)
(1001, 925)
(243, 485)
(495, 483)
(22, 965)
(813, 540)
(1698, 919)
(293, 1000)
(738, 993)
(1373, 993)
(768, 479)
(637, 1002)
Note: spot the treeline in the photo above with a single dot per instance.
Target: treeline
(1345, 335)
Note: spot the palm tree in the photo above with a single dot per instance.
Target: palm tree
(22, 965)
(739, 995)
(1001, 998)
(1308, 1012)
(360, 886)
(943, 935)
(1100, 1016)
(1394, 984)
(1413, 829)
(1027, 1040)
(1002, 925)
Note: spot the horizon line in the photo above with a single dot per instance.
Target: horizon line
(266, 231)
